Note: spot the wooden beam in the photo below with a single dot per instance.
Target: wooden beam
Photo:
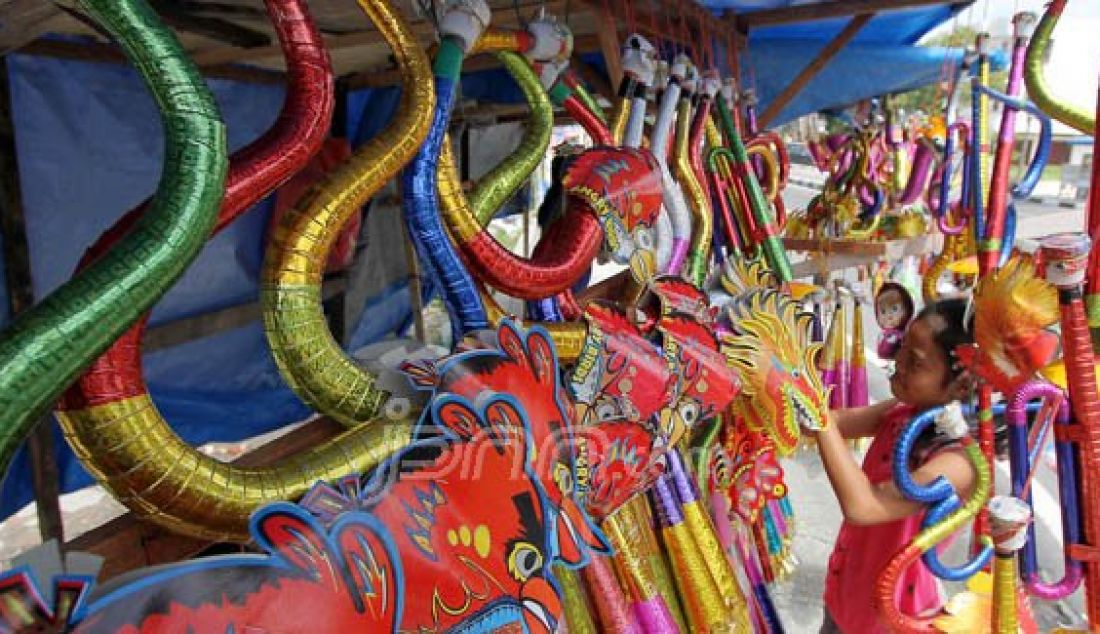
(127, 542)
(17, 266)
(384, 78)
(423, 29)
(23, 21)
(608, 33)
(214, 28)
(109, 53)
(825, 10)
(594, 79)
(196, 327)
(813, 68)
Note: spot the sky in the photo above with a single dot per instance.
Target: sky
(1075, 57)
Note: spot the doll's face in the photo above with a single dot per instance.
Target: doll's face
(891, 310)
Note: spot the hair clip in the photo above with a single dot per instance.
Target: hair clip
(956, 362)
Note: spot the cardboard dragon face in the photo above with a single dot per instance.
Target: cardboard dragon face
(475, 530)
(524, 365)
(778, 366)
(622, 186)
(676, 295)
(744, 466)
(313, 578)
(620, 375)
(452, 534)
(622, 383)
(706, 384)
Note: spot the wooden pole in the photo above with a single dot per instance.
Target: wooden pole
(813, 68)
(608, 33)
(17, 265)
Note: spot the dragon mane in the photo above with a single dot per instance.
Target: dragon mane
(1012, 309)
(765, 319)
(770, 347)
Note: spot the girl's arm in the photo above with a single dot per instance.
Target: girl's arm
(861, 422)
(865, 503)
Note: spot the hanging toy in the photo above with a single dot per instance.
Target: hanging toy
(110, 404)
(309, 358)
(858, 395)
(768, 344)
(1012, 309)
(894, 309)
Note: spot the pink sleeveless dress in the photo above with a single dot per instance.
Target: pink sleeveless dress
(862, 552)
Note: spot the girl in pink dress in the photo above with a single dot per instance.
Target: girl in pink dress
(878, 519)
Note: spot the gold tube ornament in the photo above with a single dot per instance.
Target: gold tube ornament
(143, 463)
(578, 612)
(464, 221)
(702, 219)
(308, 356)
(1009, 519)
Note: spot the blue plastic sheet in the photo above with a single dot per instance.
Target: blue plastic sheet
(882, 69)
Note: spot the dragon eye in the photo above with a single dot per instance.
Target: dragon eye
(606, 412)
(643, 239)
(689, 412)
(795, 373)
(524, 561)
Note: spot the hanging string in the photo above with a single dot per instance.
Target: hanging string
(708, 38)
(519, 17)
(428, 9)
(731, 56)
(610, 19)
(655, 32)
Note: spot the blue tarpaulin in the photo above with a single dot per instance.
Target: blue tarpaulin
(880, 59)
(89, 148)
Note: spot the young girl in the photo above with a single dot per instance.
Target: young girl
(878, 519)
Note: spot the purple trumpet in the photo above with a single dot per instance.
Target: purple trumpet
(923, 160)
(1068, 476)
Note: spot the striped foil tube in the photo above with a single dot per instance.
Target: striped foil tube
(110, 404)
(46, 347)
(1078, 117)
(308, 356)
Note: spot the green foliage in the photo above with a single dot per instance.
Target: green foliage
(932, 98)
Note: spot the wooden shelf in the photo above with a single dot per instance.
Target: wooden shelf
(837, 255)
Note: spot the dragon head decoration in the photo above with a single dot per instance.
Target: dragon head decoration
(623, 187)
(620, 375)
(624, 382)
(706, 384)
(676, 295)
(769, 345)
(510, 361)
(745, 468)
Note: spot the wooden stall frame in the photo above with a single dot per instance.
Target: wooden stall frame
(128, 542)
